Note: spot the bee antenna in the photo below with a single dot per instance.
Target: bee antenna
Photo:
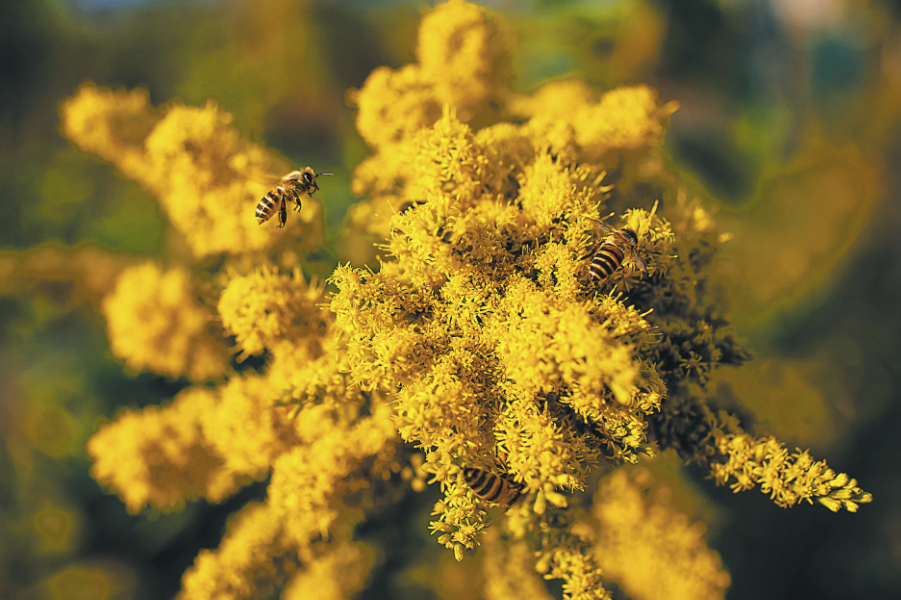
(319, 174)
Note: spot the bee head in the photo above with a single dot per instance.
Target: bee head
(630, 235)
(307, 177)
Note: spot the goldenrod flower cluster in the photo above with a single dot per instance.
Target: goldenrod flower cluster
(323, 441)
(263, 307)
(482, 340)
(789, 479)
(158, 456)
(639, 534)
(156, 323)
(206, 178)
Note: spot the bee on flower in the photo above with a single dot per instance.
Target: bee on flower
(610, 252)
(291, 187)
(490, 487)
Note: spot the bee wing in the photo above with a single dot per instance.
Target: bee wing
(603, 226)
(636, 258)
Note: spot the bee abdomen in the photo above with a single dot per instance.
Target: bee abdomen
(607, 260)
(268, 204)
(491, 487)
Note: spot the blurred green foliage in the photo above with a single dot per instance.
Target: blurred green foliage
(789, 118)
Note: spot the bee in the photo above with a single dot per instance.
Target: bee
(291, 187)
(612, 250)
(498, 489)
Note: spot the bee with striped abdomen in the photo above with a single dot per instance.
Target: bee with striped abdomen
(498, 489)
(291, 187)
(612, 250)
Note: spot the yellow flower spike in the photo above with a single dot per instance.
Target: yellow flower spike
(788, 479)
(247, 428)
(253, 560)
(155, 322)
(111, 124)
(626, 118)
(509, 572)
(159, 456)
(315, 481)
(266, 306)
(336, 574)
(482, 340)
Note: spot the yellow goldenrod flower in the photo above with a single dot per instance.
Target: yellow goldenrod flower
(158, 456)
(155, 322)
(461, 48)
(393, 105)
(648, 548)
(626, 118)
(111, 124)
(207, 179)
(482, 341)
(265, 306)
(313, 482)
(253, 560)
(338, 574)
(247, 428)
(509, 570)
(787, 478)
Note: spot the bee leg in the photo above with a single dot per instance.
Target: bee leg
(297, 204)
(282, 214)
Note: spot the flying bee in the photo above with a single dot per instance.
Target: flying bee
(611, 251)
(291, 187)
(498, 489)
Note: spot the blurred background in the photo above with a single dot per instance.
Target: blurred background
(790, 124)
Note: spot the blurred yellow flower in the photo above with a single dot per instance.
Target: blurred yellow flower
(648, 548)
(159, 457)
(462, 49)
(206, 177)
(155, 322)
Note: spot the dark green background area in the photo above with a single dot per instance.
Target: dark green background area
(752, 87)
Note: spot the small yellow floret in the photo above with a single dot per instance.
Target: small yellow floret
(155, 322)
